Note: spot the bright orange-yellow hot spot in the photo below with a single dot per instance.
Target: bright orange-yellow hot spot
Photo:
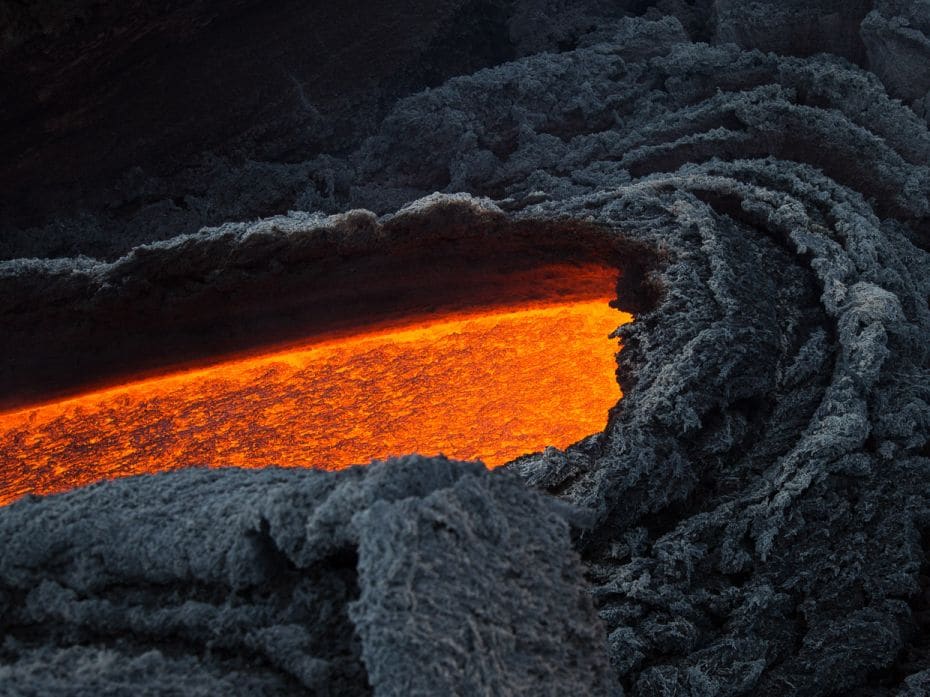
(490, 384)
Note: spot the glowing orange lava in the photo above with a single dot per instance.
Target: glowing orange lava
(490, 384)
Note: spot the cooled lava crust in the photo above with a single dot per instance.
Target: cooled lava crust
(754, 519)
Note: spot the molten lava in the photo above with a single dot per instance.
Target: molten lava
(489, 384)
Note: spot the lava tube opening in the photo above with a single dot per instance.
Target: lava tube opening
(491, 383)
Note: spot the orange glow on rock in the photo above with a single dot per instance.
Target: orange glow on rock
(489, 384)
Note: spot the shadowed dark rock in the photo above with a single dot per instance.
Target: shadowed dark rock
(125, 123)
(897, 37)
(794, 27)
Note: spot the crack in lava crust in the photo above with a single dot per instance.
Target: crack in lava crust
(491, 384)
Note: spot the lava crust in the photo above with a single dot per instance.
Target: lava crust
(755, 517)
(308, 581)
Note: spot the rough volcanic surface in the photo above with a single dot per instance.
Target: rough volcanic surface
(756, 511)
(285, 581)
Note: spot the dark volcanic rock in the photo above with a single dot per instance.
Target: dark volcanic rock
(123, 123)
(795, 27)
(758, 516)
(897, 37)
(337, 583)
(127, 123)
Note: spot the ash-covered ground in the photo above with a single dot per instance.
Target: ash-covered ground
(755, 518)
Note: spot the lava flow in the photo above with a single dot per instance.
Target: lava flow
(489, 384)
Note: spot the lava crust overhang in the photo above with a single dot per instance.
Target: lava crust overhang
(72, 324)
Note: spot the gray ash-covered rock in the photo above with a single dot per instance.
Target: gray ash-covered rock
(758, 519)
(406, 577)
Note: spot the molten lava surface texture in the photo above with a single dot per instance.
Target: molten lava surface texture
(489, 384)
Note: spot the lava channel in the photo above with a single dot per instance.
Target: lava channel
(489, 384)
